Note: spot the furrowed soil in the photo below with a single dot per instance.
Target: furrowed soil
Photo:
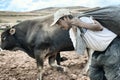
(17, 65)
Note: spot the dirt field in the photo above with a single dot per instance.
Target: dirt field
(19, 66)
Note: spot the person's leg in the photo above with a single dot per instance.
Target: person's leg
(96, 71)
(110, 60)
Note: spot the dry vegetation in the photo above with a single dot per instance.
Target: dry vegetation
(13, 17)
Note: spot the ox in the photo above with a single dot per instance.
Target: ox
(38, 40)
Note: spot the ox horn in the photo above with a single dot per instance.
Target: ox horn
(12, 31)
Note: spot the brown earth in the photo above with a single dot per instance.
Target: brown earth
(18, 65)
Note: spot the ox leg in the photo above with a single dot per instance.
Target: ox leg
(90, 53)
(53, 64)
(60, 59)
(86, 69)
(40, 63)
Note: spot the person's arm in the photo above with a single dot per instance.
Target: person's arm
(96, 26)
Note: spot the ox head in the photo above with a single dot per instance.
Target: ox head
(8, 40)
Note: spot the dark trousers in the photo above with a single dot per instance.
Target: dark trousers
(106, 65)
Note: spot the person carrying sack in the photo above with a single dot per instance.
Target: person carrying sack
(105, 44)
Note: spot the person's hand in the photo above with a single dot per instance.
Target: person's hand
(75, 22)
(67, 20)
(64, 23)
(96, 22)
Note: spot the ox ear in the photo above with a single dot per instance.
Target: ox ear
(12, 31)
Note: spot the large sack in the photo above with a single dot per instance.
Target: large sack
(109, 17)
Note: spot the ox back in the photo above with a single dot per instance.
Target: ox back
(36, 33)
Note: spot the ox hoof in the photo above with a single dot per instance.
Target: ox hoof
(60, 69)
(1, 49)
(63, 59)
(85, 71)
(39, 79)
(39, 76)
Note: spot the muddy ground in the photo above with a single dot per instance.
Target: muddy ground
(17, 65)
